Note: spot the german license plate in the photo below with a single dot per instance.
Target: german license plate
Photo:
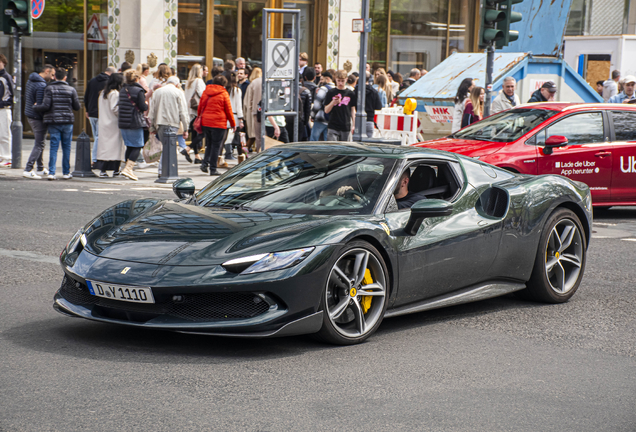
(120, 292)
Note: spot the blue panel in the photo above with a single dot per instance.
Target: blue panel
(581, 64)
(542, 28)
(442, 82)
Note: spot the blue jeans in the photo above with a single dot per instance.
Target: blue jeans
(60, 133)
(319, 132)
(181, 141)
(95, 128)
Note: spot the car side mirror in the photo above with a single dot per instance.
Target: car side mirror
(183, 188)
(554, 141)
(426, 208)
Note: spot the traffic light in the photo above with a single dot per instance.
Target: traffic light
(504, 25)
(490, 17)
(17, 14)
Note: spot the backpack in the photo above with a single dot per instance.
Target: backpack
(324, 115)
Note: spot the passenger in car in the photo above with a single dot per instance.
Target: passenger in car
(403, 197)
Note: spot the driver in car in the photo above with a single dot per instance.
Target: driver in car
(403, 197)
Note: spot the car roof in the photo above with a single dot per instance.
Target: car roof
(367, 149)
(570, 106)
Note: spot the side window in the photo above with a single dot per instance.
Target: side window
(537, 139)
(624, 125)
(583, 128)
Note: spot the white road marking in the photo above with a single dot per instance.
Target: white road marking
(29, 256)
(604, 223)
(70, 190)
(105, 189)
(601, 237)
(630, 239)
(149, 188)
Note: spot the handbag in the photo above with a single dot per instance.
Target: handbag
(194, 100)
(145, 121)
(198, 127)
(152, 149)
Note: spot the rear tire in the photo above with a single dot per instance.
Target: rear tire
(560, 261)
(353, 305)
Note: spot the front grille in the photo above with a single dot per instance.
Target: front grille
(193, 307)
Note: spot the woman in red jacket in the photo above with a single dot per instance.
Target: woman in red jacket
(215, 111)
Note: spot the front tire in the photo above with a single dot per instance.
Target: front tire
(560, 261)
(355, 295)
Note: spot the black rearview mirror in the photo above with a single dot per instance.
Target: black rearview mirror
(183, 188)
(426, 209)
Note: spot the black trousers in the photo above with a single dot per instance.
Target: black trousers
(196, 140)
(132, 153)
(214, 139)
(284, 137)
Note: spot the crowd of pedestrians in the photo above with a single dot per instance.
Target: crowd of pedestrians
(217, 110)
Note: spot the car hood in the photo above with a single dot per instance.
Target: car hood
(462, 146)
(173, 233)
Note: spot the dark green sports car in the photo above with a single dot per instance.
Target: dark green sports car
(329, 239)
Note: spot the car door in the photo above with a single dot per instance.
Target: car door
(586, 158)
(624, 156)
(449, 252)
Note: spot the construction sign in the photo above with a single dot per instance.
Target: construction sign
(94, 32)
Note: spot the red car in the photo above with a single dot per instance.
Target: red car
(591, 143)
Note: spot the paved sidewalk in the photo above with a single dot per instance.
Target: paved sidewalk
(146, 176)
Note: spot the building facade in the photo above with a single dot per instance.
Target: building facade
(86, 36)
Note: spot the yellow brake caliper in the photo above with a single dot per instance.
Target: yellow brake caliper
(365, 301)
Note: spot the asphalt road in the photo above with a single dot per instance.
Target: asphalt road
(496, 365)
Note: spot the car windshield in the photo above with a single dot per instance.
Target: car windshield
(287, 181)
(505, 126)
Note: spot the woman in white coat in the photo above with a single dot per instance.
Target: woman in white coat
(111, 149)
(193, 91)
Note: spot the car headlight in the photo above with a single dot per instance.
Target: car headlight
(77, 238)
(267, 262)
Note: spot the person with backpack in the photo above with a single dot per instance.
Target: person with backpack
(319, 131)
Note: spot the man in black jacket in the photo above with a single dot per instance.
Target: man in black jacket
(58, 104)
(6, 105)
(91, 95)
(545, 93)
(33, 95)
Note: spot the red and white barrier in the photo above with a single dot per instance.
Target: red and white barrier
(393, 123)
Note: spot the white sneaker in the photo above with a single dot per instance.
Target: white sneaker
(51, 177)
(31, 175)
(44, 172)
(6, 163)
(67, 176)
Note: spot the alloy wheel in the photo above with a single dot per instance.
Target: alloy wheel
(356, 292)
(564, 256)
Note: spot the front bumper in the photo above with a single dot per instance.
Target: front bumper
(204, 300)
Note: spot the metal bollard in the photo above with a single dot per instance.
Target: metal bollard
(169, 166)
(83, 156)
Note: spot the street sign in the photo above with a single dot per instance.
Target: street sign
(94, 32)
(37, 8)
(281, 55)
